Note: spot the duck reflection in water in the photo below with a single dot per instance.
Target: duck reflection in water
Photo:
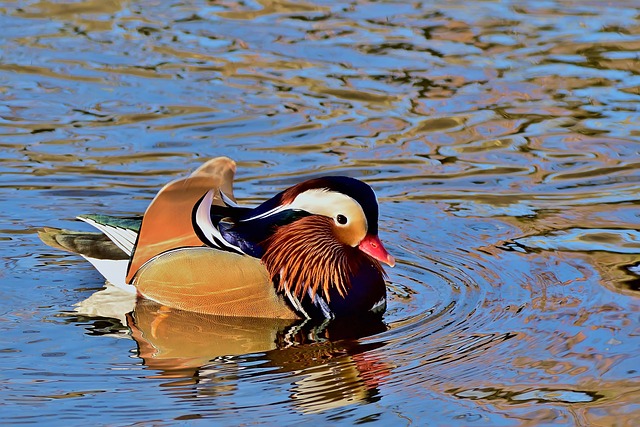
(327, 365)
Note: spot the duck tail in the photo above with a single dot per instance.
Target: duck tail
(97, 248)
(92, 245)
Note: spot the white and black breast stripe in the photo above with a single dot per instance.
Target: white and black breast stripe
(320, 302)
(227, 201)
(209, 231)
(295, 303)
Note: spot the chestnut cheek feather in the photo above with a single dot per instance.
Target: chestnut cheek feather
(306, 257)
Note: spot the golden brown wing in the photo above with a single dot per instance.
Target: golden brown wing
(210, 281)
(167, 222)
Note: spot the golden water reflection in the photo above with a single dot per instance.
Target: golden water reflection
(326, 371)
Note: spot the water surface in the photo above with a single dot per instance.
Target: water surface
(502, 139)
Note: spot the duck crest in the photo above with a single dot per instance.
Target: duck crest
(305, 258)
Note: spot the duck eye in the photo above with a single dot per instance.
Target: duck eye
(341, 219)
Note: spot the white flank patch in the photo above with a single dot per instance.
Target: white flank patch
(114, 270)
(123, 238)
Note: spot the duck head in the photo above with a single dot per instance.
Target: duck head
(322, 238)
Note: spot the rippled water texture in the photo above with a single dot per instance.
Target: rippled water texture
(502, 139)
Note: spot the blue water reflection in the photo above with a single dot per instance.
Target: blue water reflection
(500, 137)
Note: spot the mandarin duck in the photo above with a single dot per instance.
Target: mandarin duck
(311, 251)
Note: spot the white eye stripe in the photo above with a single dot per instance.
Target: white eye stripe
(327, 203)
(319, 202)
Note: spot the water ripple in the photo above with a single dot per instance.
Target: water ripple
(501, 139)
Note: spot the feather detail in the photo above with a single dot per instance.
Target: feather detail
(305, 257)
